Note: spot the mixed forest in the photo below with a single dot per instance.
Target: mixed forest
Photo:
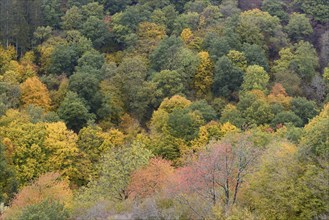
(164, 109)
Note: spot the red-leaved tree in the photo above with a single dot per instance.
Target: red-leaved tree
(151, 178)
(216, 176)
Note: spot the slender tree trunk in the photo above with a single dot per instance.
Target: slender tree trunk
(237, 185)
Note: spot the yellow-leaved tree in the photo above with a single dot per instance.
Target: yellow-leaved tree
(6, 55)
(187, 36)
(149, 36)
(34, 92)
(63, 153)
(204, 78)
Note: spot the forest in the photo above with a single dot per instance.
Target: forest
(164, 109)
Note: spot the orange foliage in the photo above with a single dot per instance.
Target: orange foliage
(35, 92)
(49, 185)
(279, 95)
(150, 179)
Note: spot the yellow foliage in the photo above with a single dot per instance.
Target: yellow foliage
(115, 57)
(28, 67)
(13, 117)
(326, 75)
(149, 36)
(34, 149)
(286, 150)
(46, 50)
(159, 121)
(175, 102)
(10, 77)
(190, 40)
(238, 59)
(20, 71)
(45, 55)
(35, 92)
(23, 142)
(130, 126)
(211, 131)
(259, 94)
(228, 128)
(207, 132)
(112, 138)
(60, 144)
(13, 73)
(187, 35)
(6, 55)
(58, 96)
(255, 13)
(204, 78)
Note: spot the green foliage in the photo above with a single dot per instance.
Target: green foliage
(165, 17)
(171, 55)
(304, 108)
(131, 77)
(41, 34)
(93, 59)
(319, 9)
(280, 172)
(86, 85)
(227, 78)
(255, 55)
(187, 20)
(296, 63)
(184, 124)
(232, 115)
(167, 147)
(62, 59)
(168, 83)
(47, 210)
(74, 112)
(218, 45)
(72, 19)
(114, 173)
(255, 78)
(276, 8)
(8, 182)
(287, 117)
(96, 30)
(93, 9)
(137, 93)
(51, 10)
(115, 5)
(9, 97)
(90, 140)
(258, 27)
(305, 61)
(299, 26)
(65, 57)
(204, 109)
(254, 108)
(315, 138)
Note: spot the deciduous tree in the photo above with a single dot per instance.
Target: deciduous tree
(34, 92)
(255, 78)
(204, 78)
(150, 179)
(47, 186)
(74, 112)
(217, 175)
